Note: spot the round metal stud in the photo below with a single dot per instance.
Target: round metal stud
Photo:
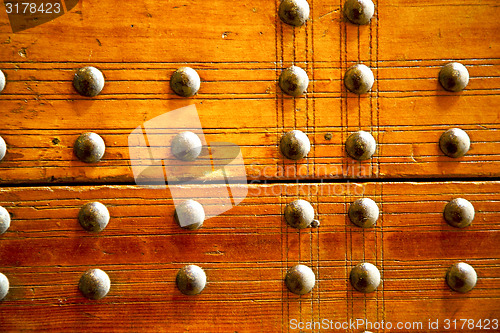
(294, 12)
(300, 279)
(185, 82)
(294, 81)
(454, 77)
(186, 146)
(189, 214)
(315, 224)
(94, 284)
(364, 212)
(361, 145)
(299, 214)
(359, 11)
(4, 286)
(365, 277)
(191, 280)
(359, 79)
(4, 220)
(3, 148)
(459, 213)
(2, 81)
(88, 81)
(93, 216)
(454, 142)
(295, 145)
(89, 147)
(461, 277)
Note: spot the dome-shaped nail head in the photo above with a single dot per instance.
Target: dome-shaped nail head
(299, 214)
(459, 213)
(4, 220)
(294, 81)
(300, 279)
(359, 11)
(294, 12)
(454, 143)
(189, 214)
(4, 286)
(186, 146)
(359, 79)
(295, 145)
(191, 280)
(3, 148)
(461, 277)
(454, 77)
(361, 145)
(94, 284)
(365, 277)
(3, 81)
(89, 147)
(88, 81)
(93, 216)
(185, 82)
(363, 212)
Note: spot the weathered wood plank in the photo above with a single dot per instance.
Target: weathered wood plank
(240, 101)
(245, 252)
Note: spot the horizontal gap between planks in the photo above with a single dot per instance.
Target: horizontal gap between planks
(274, 181)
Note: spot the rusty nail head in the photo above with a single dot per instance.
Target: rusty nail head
(359, 79)
(295, 145)
(4, 220)
(189, 214)
(459, 213)
(89, 147)
(186, 146)
(93, 216)
(185, 82)
(363, 212)
(294, 12)
(361, 145)
(2, 81)
(461, 277)
(88, 81)
(4, 286)
(294, 81)
(94, 284)
(365, 277)
(300, 279)
(315, 224)
(191, 280)
(299, 214)
(454, 142)
(3, 148)
(359, 11)
(454, 77)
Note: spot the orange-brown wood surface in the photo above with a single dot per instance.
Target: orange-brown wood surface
(239, 50)
(245, 252)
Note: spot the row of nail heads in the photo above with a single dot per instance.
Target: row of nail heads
(300, 279)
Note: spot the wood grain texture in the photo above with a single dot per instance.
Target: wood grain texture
(239, 49)
(239, 55)
(245, 253)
